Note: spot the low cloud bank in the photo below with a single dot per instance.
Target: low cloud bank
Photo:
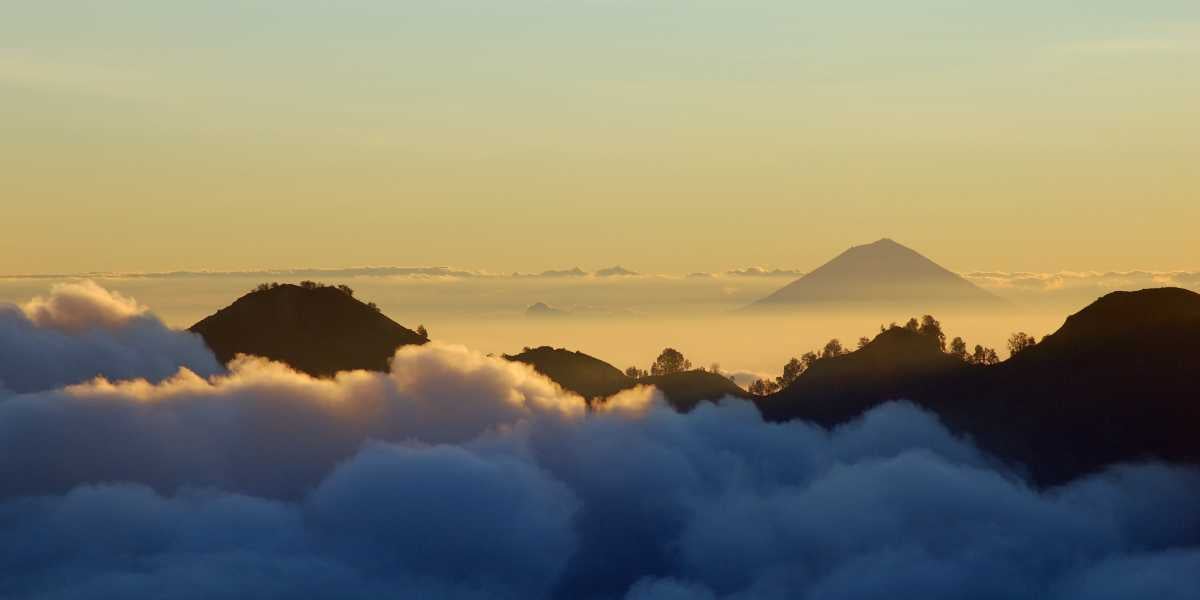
(1081, 280)
(463, 476)
(81, 331)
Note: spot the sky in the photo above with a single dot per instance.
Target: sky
(668, 136)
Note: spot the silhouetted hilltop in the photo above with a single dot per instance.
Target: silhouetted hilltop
(883, 272)
(837, 389)
(687, 389)
(595, 379)
(1143, 316)
(1117, 382)
(319, 330)
(577, 372)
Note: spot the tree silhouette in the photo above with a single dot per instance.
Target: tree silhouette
(670, 361)
(791, 372)
(1020, 342)
(809, 359)
(345, 289)
(932, 328)
(634, 373)
(832, 348)
(763, 387)
(863, 341)
(421, 331)
(984, 356)
(958, 348)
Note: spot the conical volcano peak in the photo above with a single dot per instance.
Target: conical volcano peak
(884, 243)
(883, 272)
(885, 247)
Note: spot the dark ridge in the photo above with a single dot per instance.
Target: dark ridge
(596, 380)
(896, 364)
(1117, 382)
(880, 273)
(576, 372)
(1142, 315)
(315, 329)
(684, 391)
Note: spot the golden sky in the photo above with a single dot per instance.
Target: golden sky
(666, 136)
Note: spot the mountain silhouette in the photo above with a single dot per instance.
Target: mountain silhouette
(883, 272)
(684, 391)
(319, 330)
(895, 365)
(1117, 382)
(541, 309)
(595, 379)
(615, 271)
(577, 372)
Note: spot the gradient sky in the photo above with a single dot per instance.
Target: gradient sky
(664, 135)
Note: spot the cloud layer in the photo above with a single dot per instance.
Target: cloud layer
(1086, 280)
(463, 476)
(81, 331)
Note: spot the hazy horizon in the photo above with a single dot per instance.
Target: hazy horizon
(628, 319)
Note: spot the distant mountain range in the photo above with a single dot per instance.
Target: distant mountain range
(881, 273)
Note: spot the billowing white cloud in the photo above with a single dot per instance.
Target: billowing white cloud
(745, 377)
(464, 476)
(262, 429)
(75, 307)
(81, 331)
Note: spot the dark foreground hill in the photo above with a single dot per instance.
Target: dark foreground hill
(315, 329)
(1119, 381)
(595, 379)
(687, 389)
(880, 273)
(898, 363)
(577, 372)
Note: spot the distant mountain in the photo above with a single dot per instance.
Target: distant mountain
(617, 271)
(541, 309)
(1117, 382)
(595, 379)
(883, 272)
(573, 272)
(317, 330)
